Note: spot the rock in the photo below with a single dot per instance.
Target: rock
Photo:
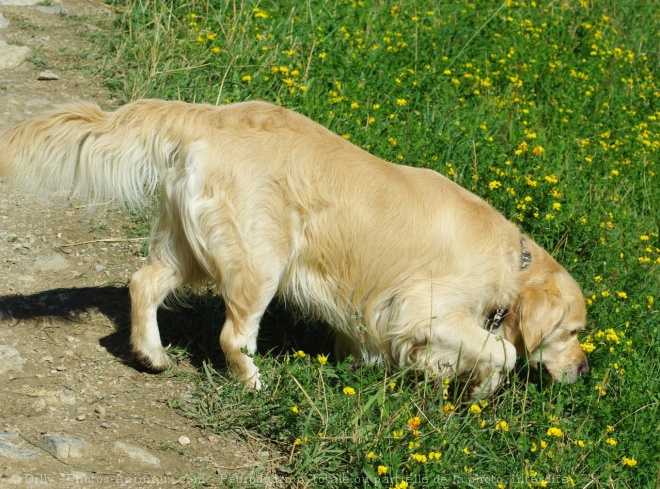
(64, 446)
(11, 451)
(53, 262)
(12, 56)
(48, 76)
(184, 440)
(137, 454)
(3, 22)
(10, 359)
(20, 2)
(50, 9)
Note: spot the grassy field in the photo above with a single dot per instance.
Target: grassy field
(550, 110)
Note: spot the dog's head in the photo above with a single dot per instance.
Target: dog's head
(546, 318)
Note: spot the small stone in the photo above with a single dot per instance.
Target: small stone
(81, 417)
(100, 410)
(10, 359)
(13, 56)
(64, 446)
(10, 450)
(184, 440)
(50, 9)
(105, 425)
(137, 454)
(99, 268)
(48, 76)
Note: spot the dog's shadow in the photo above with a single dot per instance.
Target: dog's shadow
(192, 329)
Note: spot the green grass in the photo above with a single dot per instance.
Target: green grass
(550, 111)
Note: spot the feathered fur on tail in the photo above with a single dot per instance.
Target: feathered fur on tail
(90, 154)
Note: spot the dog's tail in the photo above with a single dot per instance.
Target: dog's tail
(88, 154)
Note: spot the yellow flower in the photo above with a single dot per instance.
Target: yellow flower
(349, 391)
(580, 443)
(554, 431)
(299, 354)
(371, 455)
(418, 457)
(570, 481)
(630, 462)
(246, 79)
(215, 49)
(415, 422)
(533, 448)
(611, 442)
(382, 470)
(401, 102)
(538, 150)
(396, 434)
(295, 409)
(323, 55)
(474, 409)
(322, 359)
(392, 385)
(448, 408)
(502, 426)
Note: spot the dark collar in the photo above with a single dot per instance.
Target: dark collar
(495, 318)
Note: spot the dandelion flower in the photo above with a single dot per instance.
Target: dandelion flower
(322, 359)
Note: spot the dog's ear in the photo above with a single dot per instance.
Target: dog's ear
(533, 316)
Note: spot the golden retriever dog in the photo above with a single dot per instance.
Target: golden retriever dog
(408, 267)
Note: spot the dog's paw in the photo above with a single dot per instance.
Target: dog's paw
(153, 360)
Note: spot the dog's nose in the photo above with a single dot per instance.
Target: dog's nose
(583, 369)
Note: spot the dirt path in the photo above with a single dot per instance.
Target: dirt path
(74, 409)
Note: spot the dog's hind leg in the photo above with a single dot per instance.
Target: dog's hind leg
(149, 287)
(247, 293)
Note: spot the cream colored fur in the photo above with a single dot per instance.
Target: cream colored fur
(403, 263)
